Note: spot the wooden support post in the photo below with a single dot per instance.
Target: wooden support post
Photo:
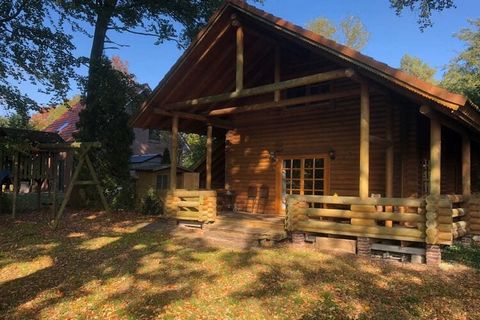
(466, 167)
(208, 183)
(16, 172)
(364, 141)
(277, 75)
(94, 177)
(174, 154)
(240, 59)
(389, 162)
(435, 156)
(54, 183)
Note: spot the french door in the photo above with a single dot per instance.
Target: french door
(302, 175)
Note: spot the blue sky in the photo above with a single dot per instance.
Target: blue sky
(391, 36)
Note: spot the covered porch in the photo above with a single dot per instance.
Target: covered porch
(335, 143)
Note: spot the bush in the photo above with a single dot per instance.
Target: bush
(5, 204)
(467, 255)
(150, 204)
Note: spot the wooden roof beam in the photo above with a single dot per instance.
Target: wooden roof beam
(269, 88)
(285, 103)
(197, 117)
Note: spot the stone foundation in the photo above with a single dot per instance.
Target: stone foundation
(364, 247)
(298, 238)
(433, 255)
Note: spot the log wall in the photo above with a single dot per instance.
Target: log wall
(314, 130)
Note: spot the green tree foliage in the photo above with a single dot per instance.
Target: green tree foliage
(106, 121)
(416, 67)
(463, 73)
(424, 8)
(33, 49)
(194, 148)
(350, 31)
(15, 120)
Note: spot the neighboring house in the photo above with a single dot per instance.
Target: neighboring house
(321, 133)
(151, 172)
(146, 141)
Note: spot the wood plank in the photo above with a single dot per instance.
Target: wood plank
(336, 213)
(269, 88)
(285, 103)
(398, 249)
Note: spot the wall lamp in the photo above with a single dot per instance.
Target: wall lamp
(331, 153)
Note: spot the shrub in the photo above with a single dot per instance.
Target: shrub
(5, 204)
(150, 204)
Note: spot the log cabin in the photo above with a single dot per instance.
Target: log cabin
(335, 142)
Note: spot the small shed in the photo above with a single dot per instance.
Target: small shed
(150, 173)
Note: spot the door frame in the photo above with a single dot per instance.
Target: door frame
(278, 174)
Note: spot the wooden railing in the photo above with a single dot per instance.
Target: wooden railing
(191, 205)
(383, 218)
(447, 218)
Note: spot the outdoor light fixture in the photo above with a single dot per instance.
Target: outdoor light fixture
(273, 155)
(331, 154)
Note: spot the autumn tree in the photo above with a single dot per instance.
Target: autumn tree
(463, 72)
(423, 8)
(33, 49)
(418, 68)
(350, 31)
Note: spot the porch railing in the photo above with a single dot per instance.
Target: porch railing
(191, 205)
(383, 218)
(433, 220)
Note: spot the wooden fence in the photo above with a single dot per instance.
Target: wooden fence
(433, 220)
(191, 205)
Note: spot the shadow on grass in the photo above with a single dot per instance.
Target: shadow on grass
(86, 253)
(129, 266)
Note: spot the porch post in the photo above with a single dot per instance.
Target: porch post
(389, 163)
(208, 183)
(277, 75)
(364, 141)
(435, 156)
(240, 61)
(173, 154)
(466, 166)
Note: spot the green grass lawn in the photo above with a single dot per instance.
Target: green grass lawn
(113, 266)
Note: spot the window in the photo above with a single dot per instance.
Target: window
(304, 176)
(162, 182)
(153, 134)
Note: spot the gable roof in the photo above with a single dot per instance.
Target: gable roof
(450, 102)
(66, 124)
(30, 136)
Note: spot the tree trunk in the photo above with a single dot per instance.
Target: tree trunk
(104, 16)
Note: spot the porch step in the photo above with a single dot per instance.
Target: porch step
(231, 239)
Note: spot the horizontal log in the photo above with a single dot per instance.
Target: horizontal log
(444, 220)
(455, 198)
(406, 202)
(285, 103)
(348, 214)
(224, 124)
(189, 204)
(346, 232)
(269, 88)
(458, 212)
(194, 193)
(85, 183)
(322, 226)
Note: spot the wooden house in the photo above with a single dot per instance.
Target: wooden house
(339, 143)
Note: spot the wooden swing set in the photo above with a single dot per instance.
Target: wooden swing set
(35, 156)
